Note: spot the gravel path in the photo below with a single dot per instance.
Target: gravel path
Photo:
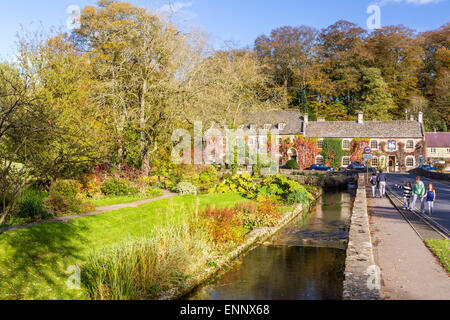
(99, 210)
(408, 268)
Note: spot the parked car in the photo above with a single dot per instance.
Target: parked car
(427, 167)
(359, 167)
(320, 167)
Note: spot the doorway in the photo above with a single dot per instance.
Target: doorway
(392, 164)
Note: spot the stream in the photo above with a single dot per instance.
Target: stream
(304, 261)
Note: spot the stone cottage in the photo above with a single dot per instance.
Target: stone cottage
(397, 146)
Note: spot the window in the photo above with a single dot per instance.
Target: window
(320, 144)
(252, 127)
(433, 150)
(374, 162)
(346, 144)
(346, 161)
(320, 160)
(410, 162)
(374, 144)
(282, 126)
(410, 144)
(448, 150)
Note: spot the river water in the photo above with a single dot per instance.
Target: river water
(304, 261)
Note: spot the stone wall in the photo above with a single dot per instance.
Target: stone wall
(332, 181)
(361, 274)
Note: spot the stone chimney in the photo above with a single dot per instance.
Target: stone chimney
(361, 117)
(412, 118)
(306, 117)
(421, 117)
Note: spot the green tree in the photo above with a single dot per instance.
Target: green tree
(375, 100)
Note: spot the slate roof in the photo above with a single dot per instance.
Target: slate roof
(438, 140)
(368, 129)
(293, 120)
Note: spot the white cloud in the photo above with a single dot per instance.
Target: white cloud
(416, 2)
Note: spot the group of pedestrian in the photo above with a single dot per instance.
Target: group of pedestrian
(378, 182)
(418, 192)
(411, 193)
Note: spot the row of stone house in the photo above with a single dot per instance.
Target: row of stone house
(396, 146)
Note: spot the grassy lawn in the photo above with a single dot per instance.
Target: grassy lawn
(441, 249)
(118, 200)
(33, 261)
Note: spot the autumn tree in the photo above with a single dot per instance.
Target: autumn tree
(342, 55)
(290, 57)
(230, 83)
(138, 58)
(398, 54)
(76, 139)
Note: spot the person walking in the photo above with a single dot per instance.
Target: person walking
(407, 194)
(419, 191)
(374, 184)
(431, 198)
(382, 180)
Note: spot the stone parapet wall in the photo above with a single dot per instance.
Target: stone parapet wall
(361, 274)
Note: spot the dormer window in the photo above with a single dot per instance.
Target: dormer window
(253, 127)
(282, 126)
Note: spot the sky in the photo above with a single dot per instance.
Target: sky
(240, 21)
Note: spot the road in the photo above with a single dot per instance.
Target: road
(441, 213)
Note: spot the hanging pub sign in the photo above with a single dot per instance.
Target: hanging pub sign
(392, 145)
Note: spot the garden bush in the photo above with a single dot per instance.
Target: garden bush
(65, 197)
(224, 225)
(186, 188)
(30, 204)
(68, 189)
(118, 188)
(292, 164)
(208, 178)
(266, 214)
(243, 184)
(282, 187)
(154, 192)
(297, 196)
(60, 205)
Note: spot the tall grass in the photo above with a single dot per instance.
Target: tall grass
(146, 268)
(30, 205)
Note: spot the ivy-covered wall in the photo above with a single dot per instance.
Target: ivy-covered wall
(306, 148)
(333, 153)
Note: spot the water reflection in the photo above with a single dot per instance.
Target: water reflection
(305, 261)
